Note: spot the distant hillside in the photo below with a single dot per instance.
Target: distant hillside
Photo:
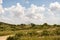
(6, 26)
(6, 29)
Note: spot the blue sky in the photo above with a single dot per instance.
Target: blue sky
(30, 11)
(8, 3)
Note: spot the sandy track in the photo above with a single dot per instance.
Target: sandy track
(4, 37)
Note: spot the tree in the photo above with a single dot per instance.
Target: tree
(45, 24)
(55, 25)
(22, 25)
(32, 24)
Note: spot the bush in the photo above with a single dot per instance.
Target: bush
(19, 34)
(45, 33)
(57, 31)
(13, 38)
(33, 33)
(10, 38)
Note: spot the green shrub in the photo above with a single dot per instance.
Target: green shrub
(45, 33)
(32, 33)
(10, 38)
(57, 31)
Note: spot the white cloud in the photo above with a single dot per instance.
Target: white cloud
(54, 10)
(17, 14)
(1, 2)
(14, 14)
(35, 11)
(21, 14)
(1, 9)
(55, 6)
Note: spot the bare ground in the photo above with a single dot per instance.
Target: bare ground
(4, 37)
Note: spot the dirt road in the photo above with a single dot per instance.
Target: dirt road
(4, 37)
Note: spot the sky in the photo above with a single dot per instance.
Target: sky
(30, 11)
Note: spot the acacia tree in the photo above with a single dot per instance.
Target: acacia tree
(45, 25)
(32, 24)
(22, 25)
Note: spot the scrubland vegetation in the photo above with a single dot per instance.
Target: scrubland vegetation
(30, 31)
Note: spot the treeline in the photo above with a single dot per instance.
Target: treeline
(12, 27)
